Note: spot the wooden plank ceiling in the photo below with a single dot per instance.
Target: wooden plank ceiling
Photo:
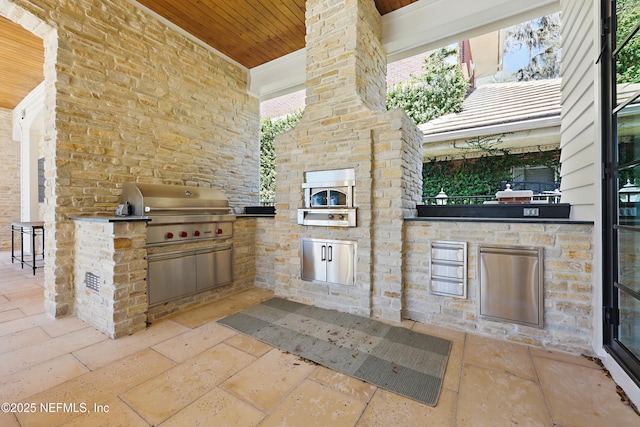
(251, 32)
(21, 63)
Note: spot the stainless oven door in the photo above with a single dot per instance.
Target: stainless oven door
(329, 197)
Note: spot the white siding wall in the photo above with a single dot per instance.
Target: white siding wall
(580, 122)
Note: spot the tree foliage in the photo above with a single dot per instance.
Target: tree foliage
(541, 39)
(438, 91)
(628, 61)
(269, 129)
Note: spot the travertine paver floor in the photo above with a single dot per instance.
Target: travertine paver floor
(188, 370)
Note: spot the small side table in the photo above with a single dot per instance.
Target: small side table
(34, 229)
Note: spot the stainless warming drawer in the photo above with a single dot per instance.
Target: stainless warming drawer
(511, 284)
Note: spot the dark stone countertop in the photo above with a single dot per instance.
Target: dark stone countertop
(110, 218)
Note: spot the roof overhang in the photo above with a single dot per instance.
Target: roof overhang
(498, 129)
(517, 137)
(417, 28)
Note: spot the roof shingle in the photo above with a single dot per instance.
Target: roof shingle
(501, 104)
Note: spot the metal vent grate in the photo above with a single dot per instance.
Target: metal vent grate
(92, 281)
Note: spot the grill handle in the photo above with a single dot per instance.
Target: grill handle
(187, 208)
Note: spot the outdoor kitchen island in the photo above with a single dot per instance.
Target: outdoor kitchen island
(110, 271)
(567, 291)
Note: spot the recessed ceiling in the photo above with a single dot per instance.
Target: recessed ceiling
(21, 63)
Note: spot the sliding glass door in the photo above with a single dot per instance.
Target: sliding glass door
(621, 198)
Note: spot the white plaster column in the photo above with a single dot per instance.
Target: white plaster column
(28, 128)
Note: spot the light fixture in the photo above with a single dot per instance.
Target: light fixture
(441, 198)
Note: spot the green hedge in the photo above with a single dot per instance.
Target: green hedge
(480, 176)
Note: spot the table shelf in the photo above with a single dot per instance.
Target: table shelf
(33, 229)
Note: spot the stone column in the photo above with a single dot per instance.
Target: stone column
(346, 125)
(110, 275)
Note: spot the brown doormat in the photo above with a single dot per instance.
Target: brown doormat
(394, 358)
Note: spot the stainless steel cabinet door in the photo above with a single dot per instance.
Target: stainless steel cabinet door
(340, 263)
(511, 284)
(171, 276)
(314, 260)
(328, 261)
(214, 268)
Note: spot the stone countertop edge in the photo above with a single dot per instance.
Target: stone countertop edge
(500, 220)
(113, 218)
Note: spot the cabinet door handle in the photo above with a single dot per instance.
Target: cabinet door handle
(323, 253)
(330, 253)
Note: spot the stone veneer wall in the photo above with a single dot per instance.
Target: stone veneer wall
(129, 99)
(568, 281)
(346, 125)
(115, 253)
(265, 252)
(9, 179)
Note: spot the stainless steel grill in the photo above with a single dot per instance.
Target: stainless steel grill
(189, 238)
(180, 214)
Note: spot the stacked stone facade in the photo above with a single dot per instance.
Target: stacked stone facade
(110, 276)
(129, 99)
(265, 252)
(346, 125)
(9, 179)
(569, 295)
(568, 280)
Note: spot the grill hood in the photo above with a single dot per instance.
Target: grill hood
(162, 199)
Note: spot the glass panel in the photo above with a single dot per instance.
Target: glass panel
(625, 156)
(629, 259)
(338, 198)
(629, 195)
(319, 198)
(629, 329)
(628, 127)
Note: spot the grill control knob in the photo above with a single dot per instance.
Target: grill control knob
(196, 233)
(169, 235)
(219, 231)
(183, 234)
